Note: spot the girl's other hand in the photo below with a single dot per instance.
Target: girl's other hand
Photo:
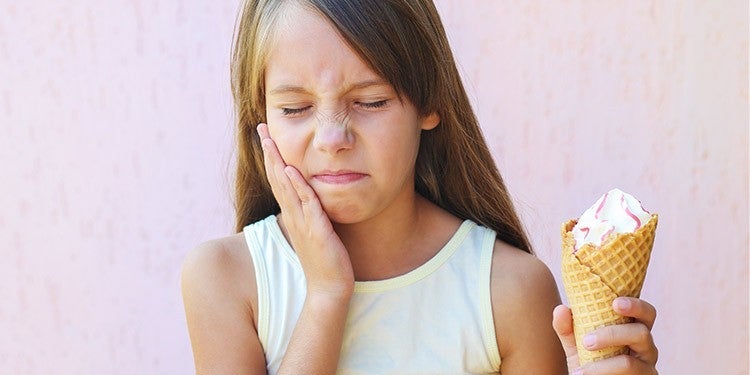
(637, 336)
(324, 258)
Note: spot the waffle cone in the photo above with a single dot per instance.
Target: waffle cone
(594, 276)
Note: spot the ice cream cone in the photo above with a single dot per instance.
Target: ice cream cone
(593, 276)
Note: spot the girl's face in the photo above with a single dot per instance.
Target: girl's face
(340, 124)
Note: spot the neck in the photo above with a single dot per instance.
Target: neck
(397, 240)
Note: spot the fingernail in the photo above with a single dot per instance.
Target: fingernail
(589, 341)
(578, 371)
(622, 304)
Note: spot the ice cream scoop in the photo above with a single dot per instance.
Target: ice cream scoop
(615, 212)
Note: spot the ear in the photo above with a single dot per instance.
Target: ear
(430, 121)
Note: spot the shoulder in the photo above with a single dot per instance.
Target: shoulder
(228, 256)
(524, 294)
(219, 270)
(514, 271)
(520, 283)
(222, 264)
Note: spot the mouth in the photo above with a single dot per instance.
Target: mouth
(339, 177)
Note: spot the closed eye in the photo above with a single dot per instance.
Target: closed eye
(373, 105)
(294, 111)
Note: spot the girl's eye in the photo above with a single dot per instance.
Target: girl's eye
(293, 111)
(373, 105)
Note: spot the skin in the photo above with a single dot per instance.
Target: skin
(321, 119)
(637, 336)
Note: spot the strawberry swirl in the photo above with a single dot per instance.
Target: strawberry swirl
(615, 212)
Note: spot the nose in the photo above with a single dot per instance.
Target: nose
(332, 136)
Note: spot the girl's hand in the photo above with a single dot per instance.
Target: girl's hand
(324, 258)
(636, 336)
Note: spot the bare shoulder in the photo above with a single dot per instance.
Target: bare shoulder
(223, 262)
(524, 293)
(219, 294)
(225, 251)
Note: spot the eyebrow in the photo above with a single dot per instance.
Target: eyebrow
(284, 89)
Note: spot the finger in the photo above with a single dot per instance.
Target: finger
(639, 309)
(267, 144)
(274, 165)
(619, 365)
(562, 322)
(263, 131)
(636, 336)
(275, 179)
(311, 208)
(271, 155)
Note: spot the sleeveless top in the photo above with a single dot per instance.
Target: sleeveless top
(435, 319)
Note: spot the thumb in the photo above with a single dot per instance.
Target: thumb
(562, 322)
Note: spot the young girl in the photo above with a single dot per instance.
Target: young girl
(376, 234)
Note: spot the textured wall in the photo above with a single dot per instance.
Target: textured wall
(115, 141)
(115, 135)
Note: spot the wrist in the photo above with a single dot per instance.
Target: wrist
(337, 295)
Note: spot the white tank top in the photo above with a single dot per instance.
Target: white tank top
(435, 319)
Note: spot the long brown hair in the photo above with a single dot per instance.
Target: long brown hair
(404, 42)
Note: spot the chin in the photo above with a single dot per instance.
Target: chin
(344, 213)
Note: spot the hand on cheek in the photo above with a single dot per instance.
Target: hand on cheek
(324, 258)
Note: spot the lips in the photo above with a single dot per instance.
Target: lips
(339, 177)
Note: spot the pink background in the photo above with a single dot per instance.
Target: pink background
(116, 145)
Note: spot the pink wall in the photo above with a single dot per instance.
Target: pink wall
(115, 140)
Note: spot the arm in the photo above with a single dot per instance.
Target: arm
(315, 345)
(219, 295)
(524, 294)
(220, 298)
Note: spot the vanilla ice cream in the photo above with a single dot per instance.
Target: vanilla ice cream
(615, 212)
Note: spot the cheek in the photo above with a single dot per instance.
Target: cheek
(289, 143)
(398, 145)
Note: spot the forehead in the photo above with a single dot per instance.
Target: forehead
(307, 50)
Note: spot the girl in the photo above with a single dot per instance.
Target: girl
(377, 236)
